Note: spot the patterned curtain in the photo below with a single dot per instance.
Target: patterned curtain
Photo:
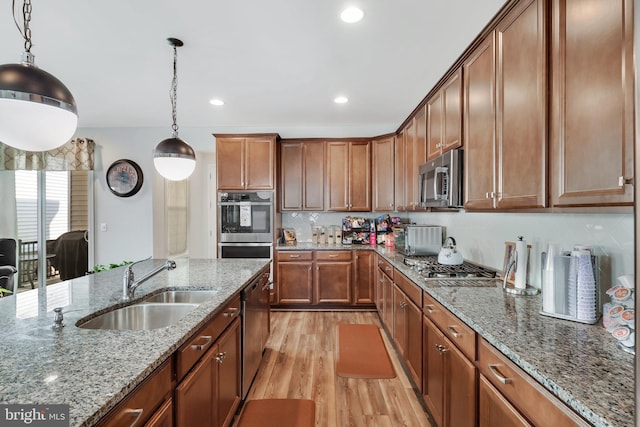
(76, 154)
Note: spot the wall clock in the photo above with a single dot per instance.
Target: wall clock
(124, 178)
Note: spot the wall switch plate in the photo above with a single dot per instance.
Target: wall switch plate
(103, 227)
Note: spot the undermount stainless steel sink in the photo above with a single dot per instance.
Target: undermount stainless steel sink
(192, 297)
(140, 316)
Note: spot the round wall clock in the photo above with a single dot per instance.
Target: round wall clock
(124, 178)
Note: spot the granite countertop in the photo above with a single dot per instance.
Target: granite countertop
(92, 370)
(578, 363)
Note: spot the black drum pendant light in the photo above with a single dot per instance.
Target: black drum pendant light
(37, 111)
(173, 158)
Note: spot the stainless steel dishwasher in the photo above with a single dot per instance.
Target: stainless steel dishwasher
(255, 328)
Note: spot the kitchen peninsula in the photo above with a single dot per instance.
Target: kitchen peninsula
(92, 370)
(579, 364)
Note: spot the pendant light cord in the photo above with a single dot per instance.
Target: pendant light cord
(174, 92)
(25, 31)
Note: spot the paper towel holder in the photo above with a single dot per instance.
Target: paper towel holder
(508, 273)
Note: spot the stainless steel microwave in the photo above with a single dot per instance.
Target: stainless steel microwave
(440, 181)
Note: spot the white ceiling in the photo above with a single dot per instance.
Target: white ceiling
(277, 64)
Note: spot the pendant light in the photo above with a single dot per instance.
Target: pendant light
(173, 158)
(37, 111)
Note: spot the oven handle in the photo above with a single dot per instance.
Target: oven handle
(245, 244)
(245, 204)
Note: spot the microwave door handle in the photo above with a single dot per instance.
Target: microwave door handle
(441, 177)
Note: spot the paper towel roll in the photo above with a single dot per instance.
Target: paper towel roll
(548, 280)
(521, 264)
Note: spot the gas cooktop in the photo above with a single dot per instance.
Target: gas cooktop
(429, 268)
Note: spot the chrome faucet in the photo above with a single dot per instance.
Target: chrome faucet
(129, 284)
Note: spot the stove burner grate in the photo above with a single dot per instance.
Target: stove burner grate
(428, 267)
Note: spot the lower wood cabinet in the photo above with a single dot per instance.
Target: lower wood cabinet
(209, 395)
(495, 410)
(338, 278)
(516, 392)
(449, 388)
(147, 403)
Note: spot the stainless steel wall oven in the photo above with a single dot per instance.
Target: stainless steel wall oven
(245, 217)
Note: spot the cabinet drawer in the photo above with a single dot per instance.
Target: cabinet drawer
(385, 266)
(534, 401)
(140, 404)
(409, 288)
(455, 329)
(295, 256)
(201, 341)
(333, 255)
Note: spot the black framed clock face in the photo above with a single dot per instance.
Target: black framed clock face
(124, 178)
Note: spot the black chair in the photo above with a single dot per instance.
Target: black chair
(8, 252)
(7, 272)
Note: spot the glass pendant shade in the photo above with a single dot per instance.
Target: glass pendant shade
(37, 111)
(174, 159)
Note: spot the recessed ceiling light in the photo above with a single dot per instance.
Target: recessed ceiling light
(341, 100)
(216, 102)
(351, 15)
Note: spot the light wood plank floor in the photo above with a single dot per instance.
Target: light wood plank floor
(299, 363)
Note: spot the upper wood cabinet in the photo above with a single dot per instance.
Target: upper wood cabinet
(302, 175)
(592, 123)
(245, 162)
(399, 173)
(505, 113)
(348, 176)
(383, 171)
(444, 117)
(415, 154)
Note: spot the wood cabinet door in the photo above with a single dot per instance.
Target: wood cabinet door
(434, 125)
(521, 107)
(592, 109)
(383, 156)
(313, 176)
(163, 417)
(337, 176)
(399, 173)
(413, 341)
(399, 320)
(230, 163)
(291, 176)
(259, 163)
(196, 395)
(360, 176)
(452, 114)
(295, 282)
(388, 303)
(434, 367)
(379, 295)
(333, 282)
(495, 410)
(479, 126)
(460, 379)
(364, 289)
(228, 374)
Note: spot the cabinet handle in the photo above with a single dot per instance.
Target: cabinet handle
(455, 334)
(231, 312)
(221, 356)
(489, 195)
(333, 255)
(390, 205)
(138, 415)
(294, 256)
(206, 339)
(494, 370)
(622, 181)
(429, 307)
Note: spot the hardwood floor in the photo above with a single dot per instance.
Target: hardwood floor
(299, 363)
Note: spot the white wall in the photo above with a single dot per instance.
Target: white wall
(129, 221)
(481, 236)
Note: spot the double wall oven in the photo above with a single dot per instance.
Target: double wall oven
(245, 224)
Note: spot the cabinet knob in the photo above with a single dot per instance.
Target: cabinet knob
(231, 312)
(429, 308)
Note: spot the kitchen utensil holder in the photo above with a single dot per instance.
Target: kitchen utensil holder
(561, 282)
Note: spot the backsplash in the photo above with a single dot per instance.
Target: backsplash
(481, 236)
